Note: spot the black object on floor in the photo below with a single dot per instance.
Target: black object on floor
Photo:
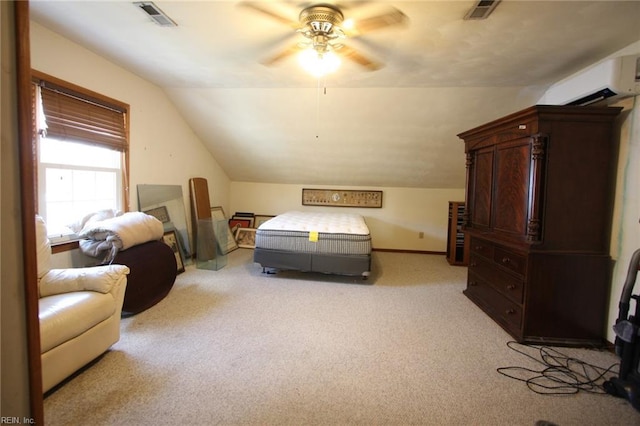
(627, 344)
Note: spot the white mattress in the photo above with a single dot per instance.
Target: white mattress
(302, 232)
(330, 223)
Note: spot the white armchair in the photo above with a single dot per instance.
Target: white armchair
(79, 311)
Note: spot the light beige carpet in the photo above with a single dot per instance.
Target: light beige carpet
(238, 347)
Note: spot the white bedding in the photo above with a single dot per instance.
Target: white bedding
(330, 223)
(119, 233)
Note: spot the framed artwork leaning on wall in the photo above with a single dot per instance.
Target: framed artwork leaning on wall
(246, 237)
(171, 239)
(227, 242)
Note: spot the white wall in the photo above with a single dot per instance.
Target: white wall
(163, 148)
(404, 214)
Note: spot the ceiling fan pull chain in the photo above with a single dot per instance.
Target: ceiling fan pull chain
(318, 110)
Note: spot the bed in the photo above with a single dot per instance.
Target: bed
(331, 243)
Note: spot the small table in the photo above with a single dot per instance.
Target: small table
(153, 270)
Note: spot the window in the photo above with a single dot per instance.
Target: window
(82, 146)
(75, 179)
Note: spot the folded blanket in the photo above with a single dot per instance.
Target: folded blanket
(92, 217)
(119, 233)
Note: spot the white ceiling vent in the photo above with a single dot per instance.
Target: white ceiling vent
(154, 12)
(482, 9)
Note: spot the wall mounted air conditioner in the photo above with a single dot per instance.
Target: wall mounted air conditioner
(610, 79)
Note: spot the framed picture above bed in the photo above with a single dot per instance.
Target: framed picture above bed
(341, 198)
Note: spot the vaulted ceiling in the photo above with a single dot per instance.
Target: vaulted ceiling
(394, 127)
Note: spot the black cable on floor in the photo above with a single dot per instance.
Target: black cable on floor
(560, 375)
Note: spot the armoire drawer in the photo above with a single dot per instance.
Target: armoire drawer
(510, 260)
(496, 305)
(502, 256)
(481, 247)
(503, 282)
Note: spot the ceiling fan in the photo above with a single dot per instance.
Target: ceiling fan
(324, 29)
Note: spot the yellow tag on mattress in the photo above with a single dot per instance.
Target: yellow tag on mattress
(313, 236)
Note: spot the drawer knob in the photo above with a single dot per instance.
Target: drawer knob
(472, 283)
(510, 311)
(472, 264)
(506, 260)
(511, 287)
(478, 247)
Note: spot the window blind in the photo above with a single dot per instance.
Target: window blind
(75, 118)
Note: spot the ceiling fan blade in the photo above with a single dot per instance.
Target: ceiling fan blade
(394, 17)
(355, 56)
(258, 7)
(289, 51)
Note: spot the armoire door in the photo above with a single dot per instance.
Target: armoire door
(480, 187)
(511, 191)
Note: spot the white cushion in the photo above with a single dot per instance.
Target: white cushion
(43, 247)
(65, 316)
(97, 278)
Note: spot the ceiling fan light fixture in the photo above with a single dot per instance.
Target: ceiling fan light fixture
(322, 27)
(348, 24)
(318, 63)
(320, 15)
(325, 30)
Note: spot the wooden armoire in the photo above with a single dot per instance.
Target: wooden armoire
(539, 200)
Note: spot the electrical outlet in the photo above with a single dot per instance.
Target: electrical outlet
(421, 235)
